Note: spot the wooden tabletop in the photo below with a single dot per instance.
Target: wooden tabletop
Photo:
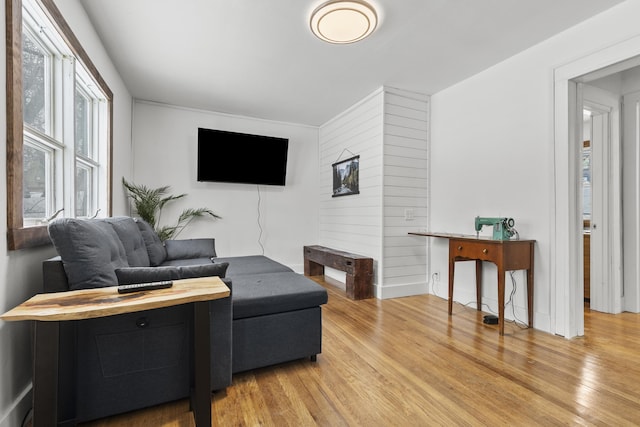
(444, 235)
(102, 302)
(463, 236)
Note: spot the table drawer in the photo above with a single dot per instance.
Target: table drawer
(474, 250)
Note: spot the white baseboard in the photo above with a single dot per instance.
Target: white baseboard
(298, 268)
(16, 412)
(399, 291)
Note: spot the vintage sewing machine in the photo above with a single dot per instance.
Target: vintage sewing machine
(502, 227)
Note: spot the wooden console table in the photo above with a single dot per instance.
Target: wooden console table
(359, 269)
(505, 254)
(48, 310)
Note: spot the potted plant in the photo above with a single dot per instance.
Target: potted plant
(148, 204)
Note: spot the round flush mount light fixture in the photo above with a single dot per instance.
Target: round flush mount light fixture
(343, 21)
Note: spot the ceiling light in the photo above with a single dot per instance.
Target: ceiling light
(343, 21)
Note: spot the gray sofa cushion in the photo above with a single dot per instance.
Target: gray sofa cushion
(90, 250)
(131, 239)
(190, 248)
(252, 264)
(155, 248)
(129, 275)
(260, 294)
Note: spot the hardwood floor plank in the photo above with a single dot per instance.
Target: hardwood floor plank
(406, 362)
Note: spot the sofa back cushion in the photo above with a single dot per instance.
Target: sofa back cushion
(90, 250)
(131, 238)
(190, 248)
(155, 248)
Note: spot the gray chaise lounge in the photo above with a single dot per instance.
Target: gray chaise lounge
(127, 362)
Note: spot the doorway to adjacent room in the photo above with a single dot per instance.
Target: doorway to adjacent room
(618, 291)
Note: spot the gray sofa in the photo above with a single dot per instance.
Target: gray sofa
(126, 362)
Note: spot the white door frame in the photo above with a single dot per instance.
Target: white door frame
(631, 171)
(567, 311)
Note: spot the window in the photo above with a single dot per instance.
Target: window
(58, 125)
(586, 184)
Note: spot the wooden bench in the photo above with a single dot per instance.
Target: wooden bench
(359, 269)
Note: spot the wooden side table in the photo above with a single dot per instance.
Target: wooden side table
(507, 255)
(48, 310)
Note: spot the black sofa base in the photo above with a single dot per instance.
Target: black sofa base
(275, 338)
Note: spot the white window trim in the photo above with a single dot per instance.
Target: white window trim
(66, 76)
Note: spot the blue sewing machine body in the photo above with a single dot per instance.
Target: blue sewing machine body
(502, 227)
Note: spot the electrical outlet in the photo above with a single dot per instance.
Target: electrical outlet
(408, 214)
(436, 276)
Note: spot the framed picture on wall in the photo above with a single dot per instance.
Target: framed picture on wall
(346, 177)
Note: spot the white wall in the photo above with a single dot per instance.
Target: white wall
(354, 223)
(165, 150)
(20, 271)
(493, 153)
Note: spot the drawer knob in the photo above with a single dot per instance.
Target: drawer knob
(459, 248)
(484, 251)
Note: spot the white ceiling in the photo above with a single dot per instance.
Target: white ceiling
(258, 58)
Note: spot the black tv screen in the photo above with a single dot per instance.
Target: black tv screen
(241, 158)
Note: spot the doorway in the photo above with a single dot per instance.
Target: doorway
(567, 250)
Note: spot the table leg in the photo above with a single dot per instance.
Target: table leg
(530, 294)
(452, 267)
(45, 374)
(312, 268)
(201, 398)
(350, 286)
(479, 284)
(501, 281)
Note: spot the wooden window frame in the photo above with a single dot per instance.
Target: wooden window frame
(18, 236)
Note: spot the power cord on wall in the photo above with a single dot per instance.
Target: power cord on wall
(516, 321)
(519, 323)
(434, 283)
(473, 304)
(259, 225)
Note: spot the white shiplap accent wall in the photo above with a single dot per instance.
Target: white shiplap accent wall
(354, 223)
(405, 192)
(389, 131)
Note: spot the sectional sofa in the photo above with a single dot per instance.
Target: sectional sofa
(126, 362)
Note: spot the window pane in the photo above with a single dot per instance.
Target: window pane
(83, 186)
(33, 84)
(586, 183)
(35, 199)
(82, 124)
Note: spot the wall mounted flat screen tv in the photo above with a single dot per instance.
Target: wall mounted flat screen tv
(241, 158)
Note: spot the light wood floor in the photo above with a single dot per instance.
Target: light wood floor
(405, 362)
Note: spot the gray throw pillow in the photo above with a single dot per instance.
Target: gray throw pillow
(90, 251)
(203, 270)
(130, 275)
(155, 247)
